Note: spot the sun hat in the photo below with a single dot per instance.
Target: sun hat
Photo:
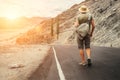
(83, 9)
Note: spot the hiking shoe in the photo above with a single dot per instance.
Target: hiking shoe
(89, 62)
(82, 64)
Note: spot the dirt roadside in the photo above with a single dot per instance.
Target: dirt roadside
(20, 62)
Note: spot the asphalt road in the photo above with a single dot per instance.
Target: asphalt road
(106, 64)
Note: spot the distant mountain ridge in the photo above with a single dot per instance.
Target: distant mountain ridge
(20, 22)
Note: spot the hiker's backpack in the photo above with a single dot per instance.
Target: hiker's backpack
(84, 27)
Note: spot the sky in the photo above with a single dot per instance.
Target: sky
(30, 8)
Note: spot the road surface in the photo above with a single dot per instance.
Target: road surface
(106, 64)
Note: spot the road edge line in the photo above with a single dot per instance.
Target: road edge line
(60, 72)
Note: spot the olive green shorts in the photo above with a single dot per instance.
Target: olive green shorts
(84, 43)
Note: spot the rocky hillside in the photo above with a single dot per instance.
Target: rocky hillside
(107, 17)
(107, 20)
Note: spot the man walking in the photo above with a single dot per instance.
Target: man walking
(84, 28)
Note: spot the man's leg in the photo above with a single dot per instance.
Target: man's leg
(82, 55)
(88, 51)
(80, 47)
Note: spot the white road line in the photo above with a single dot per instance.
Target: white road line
(60, 72)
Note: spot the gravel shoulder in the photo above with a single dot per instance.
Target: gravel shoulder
(18, 62)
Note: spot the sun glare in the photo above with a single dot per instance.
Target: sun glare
(11, 14)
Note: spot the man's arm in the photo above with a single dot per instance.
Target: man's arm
(93, 27)
(76, 24)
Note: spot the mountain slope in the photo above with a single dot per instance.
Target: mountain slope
(107, 17)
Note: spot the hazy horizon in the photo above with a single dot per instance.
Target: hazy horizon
(32, 8)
